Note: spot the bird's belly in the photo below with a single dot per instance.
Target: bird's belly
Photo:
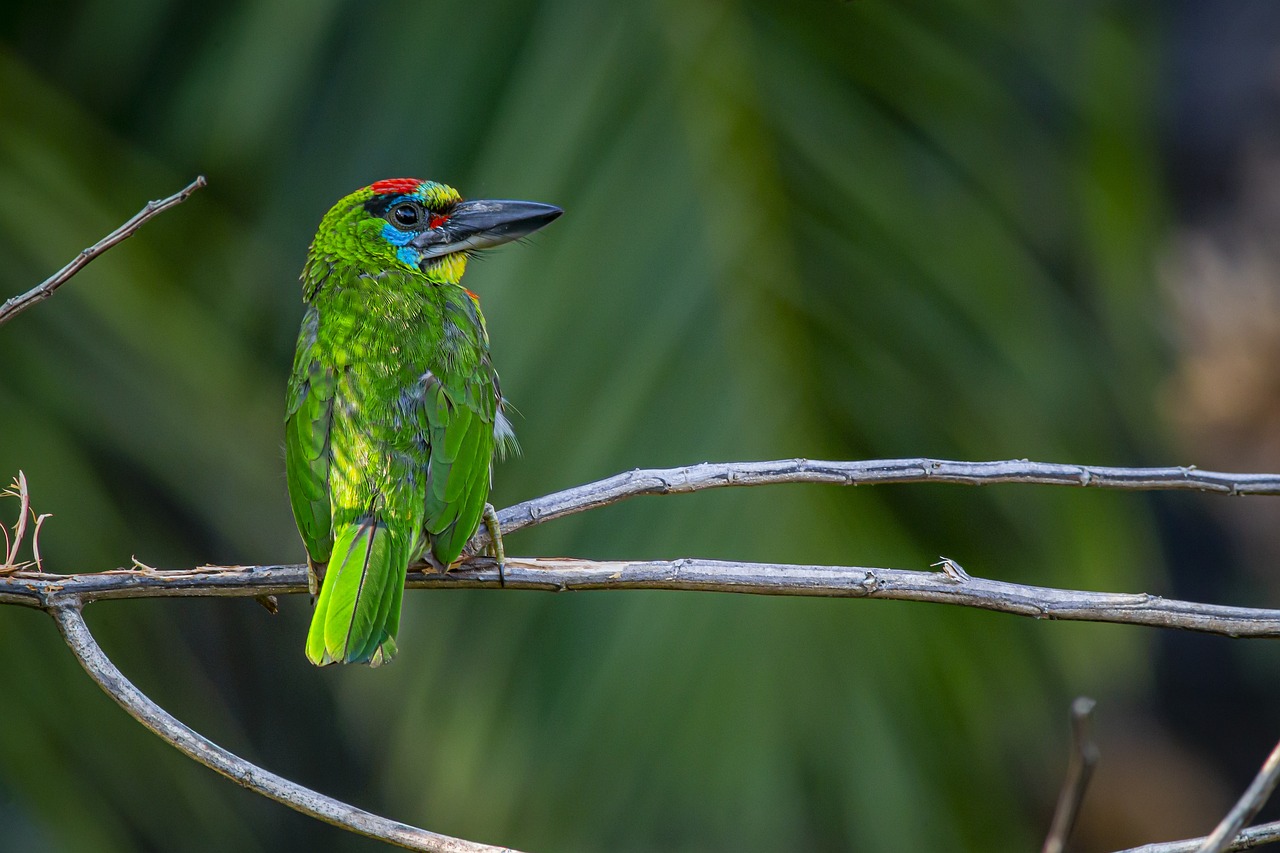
(379, 445)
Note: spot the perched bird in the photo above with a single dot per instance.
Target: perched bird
(394, 412)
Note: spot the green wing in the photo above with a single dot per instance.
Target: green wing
(309, 415)
(459, 424)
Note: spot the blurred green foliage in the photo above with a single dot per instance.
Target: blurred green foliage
(830, 229)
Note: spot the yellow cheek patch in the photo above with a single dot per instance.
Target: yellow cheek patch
(447, 269)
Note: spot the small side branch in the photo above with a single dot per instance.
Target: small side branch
(1084, 756)
(17, 304)
(100, 668)
(560, 574)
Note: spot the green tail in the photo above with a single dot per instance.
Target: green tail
(358, 613)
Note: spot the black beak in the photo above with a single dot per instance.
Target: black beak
(482, 224)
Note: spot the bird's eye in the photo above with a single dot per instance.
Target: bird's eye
(406, 215)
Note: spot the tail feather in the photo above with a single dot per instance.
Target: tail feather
(352, 614)
(380, 647)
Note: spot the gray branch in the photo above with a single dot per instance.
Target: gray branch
(17, 304)
(561, 574)
(100, 668)
(715, 475)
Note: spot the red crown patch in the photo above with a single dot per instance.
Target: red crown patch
(396, 186)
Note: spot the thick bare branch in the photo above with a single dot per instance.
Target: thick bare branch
(560, 574)
(17, 304)
(100, 668)
(712, 475)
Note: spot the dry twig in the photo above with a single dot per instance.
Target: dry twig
(9, 562)
(1084, 756)
(17, 304)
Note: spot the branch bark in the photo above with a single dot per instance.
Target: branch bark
(560, 574)
(715, 475)
(66, 612)
(17, 304)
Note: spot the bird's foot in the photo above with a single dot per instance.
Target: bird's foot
(315, 577)
(495, 542)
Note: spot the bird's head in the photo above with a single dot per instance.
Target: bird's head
(423, 225)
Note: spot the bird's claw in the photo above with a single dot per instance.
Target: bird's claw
(495, 542)
(315, 577)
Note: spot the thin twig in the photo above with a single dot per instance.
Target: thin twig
(561, 574)
(713, 475)
(17, 304)
(1250, 802)
(1084, 756)
(35, 539)
(100, 668)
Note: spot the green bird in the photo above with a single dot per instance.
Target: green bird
(394, 412)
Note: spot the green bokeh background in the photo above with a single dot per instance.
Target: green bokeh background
(831, 229)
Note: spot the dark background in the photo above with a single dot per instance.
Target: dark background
(864, 229)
